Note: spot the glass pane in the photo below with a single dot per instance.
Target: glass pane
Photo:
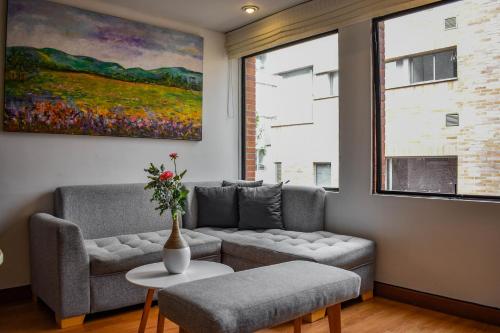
(417, 69)
(441, 137)
(323, 174)
(445, 65)
(426, 174)
(285, 123)
(428, 64)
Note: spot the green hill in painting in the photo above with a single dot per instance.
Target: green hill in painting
(27, 61)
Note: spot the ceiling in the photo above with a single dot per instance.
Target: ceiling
(218, 15)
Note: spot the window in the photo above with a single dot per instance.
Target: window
(326, 85)
(291, 113)
(450, 23)
(452, 119)
(422, 68)
(277, 166)
(422, 174)
(323, 174)
(442, 138)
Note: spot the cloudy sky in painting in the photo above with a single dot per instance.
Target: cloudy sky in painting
(40, 24)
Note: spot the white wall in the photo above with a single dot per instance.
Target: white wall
(444, 247)
(33, 165)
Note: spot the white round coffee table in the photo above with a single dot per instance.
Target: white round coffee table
(155, 276)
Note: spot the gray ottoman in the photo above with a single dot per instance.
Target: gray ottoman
(258, 298)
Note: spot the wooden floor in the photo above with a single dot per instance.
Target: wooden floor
(376, 315)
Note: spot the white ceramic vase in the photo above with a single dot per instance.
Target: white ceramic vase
(176, 252)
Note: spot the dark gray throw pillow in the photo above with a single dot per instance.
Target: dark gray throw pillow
(260, 207)
(217, 206)
(243, 183)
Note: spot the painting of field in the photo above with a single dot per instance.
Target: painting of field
(105, 76)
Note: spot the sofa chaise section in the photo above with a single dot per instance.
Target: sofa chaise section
(246, 249)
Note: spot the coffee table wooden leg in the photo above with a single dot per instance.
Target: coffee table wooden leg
(145, 311)
(333, 313)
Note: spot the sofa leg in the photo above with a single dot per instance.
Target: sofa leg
(70, 321)
(334, 318)
(367, 296)
(34, 298)
(314, 316)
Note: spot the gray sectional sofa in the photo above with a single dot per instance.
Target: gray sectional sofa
(79, 257)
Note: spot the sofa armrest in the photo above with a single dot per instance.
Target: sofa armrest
(59, 265)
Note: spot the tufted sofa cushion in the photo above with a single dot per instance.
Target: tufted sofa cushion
(122, 253)
(271, 246)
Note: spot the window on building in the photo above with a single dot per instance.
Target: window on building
(277, 172)
(422, 68)
(291, 112)
(326, 84)
(323, 174)
(422, 174)
(442, 138)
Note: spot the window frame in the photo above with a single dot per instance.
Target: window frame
(377, 159)
(242, 134)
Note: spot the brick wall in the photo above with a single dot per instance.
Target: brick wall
(250, 119)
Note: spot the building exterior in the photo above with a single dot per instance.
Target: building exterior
(296, 91)
(442, 99)
(440, 105)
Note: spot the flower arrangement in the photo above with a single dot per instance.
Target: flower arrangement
(168, 191)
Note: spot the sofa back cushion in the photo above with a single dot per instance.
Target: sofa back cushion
(303, 208)
(260, 207)
(217, 206)
(109, 210)
(190, 219)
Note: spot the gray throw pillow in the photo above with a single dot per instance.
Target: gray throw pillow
(217, 206)
(260, 207)
(243, 183)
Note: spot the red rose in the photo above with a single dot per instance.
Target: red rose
(173, 155)
(166, 175)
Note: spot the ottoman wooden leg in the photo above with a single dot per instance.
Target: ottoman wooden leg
(333, 313)
(161, 323)
(314, 316)
(297, 325)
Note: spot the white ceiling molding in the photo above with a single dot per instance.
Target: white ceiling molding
(309, 19)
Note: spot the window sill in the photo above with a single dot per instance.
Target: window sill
(292, 124)
(423, 83)
(437, 196)
(326, 97)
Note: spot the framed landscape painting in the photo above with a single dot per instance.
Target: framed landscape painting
(72, 71)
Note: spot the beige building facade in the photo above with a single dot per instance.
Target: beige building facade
(442, 99)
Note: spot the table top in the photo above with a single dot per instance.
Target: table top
(156, 276)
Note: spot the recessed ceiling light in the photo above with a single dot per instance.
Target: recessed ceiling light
(249, 9)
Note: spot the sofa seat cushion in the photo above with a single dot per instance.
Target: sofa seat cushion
(121, 253)
(271, 246)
